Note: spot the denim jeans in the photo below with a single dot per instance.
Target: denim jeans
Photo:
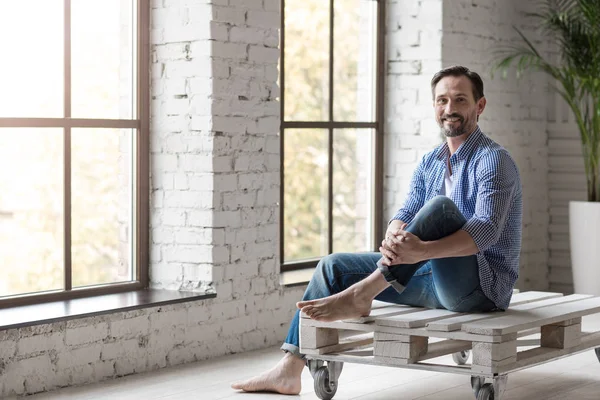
(450, 283)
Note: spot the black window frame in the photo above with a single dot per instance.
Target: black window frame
(377, 125)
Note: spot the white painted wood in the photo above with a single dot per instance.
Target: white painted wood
(445, 347)
(366, 357)
(543, 354)
(455, 323)
(352, 342)
(568, 322)
(534, 318)
(560, 337)
(409, 351)
(531, 296)
(415, 320)
(313, 338)
(370, 327)
(391, 337)
(385, 312)
(494, 354)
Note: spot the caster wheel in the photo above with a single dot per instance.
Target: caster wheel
(598, 353)
(476, 383)
(323, 388)
(486, 392)
(461, 357)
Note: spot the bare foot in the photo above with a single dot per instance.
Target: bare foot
(343, 305)
(284, 378)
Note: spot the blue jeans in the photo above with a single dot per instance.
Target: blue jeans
(450, 283)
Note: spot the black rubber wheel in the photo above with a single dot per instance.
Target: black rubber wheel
(597, 353)
(323, 388)
(486, 392)
(461, 357)
(476, 383)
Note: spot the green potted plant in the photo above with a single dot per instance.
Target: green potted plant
(573, 27)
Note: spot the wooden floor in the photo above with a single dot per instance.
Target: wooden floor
(574, 378)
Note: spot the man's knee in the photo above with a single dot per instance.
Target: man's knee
(441, 204)
(333, 265)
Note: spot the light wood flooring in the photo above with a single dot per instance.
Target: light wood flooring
(573, 378)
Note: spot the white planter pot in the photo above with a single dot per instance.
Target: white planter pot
(584, 229)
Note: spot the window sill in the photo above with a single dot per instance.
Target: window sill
(56, 311)
(299, 277)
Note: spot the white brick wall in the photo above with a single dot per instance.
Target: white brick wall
(215, 180)
(413, 48)
(215, 225)
(566, 182)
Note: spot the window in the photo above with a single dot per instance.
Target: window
(73, 148)
(331, 74)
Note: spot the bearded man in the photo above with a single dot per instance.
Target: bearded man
(454, 244)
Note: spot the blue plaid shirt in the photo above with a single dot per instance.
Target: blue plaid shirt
(487, 190)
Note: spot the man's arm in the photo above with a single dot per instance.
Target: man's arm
(459, 244)
(497, 181)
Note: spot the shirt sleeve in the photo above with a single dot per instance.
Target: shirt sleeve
(498, 180)
(415, 198)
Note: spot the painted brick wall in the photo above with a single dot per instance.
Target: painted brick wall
(414, 54)
(566, 182)
(215, 181)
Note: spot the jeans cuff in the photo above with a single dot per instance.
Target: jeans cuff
(385, 271)
(292, 349)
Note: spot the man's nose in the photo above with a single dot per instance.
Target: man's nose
(449, 108)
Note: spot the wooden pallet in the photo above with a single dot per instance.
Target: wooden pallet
(403, 336)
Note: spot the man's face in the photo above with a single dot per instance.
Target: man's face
(456, 110)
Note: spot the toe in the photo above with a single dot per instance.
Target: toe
(302, 304)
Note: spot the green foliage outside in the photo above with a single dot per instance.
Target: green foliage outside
(307, 99)
(31, 159)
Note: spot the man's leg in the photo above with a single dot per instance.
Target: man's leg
(334, 274)
(455, 279)
(438, 218)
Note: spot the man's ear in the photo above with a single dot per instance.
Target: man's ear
(481, 105)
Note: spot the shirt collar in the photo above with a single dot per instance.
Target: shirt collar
(464, 149)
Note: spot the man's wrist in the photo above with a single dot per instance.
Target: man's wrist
(428, 250)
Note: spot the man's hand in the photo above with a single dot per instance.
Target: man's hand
(401, 247)
(389, 254)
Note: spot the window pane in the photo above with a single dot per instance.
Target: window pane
(355, 55)
(102, 59)
(31, 210)
(306, 60)
(305, 197)
(31, 45)
(352, 190)
(101, 201)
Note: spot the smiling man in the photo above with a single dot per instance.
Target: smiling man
(454, 244)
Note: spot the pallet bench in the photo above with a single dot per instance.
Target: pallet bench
(408, 337)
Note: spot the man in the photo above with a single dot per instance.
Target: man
(455, 243)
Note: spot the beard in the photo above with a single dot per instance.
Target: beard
(456, 129)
